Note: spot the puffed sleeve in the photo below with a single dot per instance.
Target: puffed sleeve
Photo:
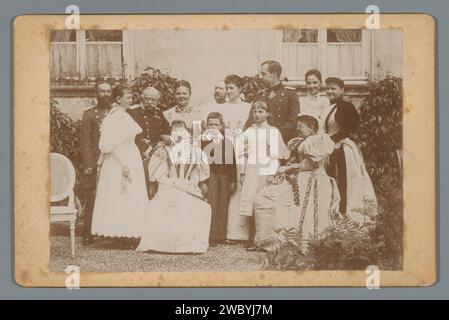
(348, 121)
(109, 138)
(115, 129)
(317, 147)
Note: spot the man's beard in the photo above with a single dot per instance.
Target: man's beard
(104, 102)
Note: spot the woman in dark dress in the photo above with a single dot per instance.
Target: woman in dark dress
(346, 165)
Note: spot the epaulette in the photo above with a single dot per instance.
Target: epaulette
(260, 91)
(135, 106)
(291, 88)
(89, 108)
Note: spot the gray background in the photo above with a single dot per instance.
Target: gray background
(9, 290)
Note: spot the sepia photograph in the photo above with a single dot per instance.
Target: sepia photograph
(226, 150)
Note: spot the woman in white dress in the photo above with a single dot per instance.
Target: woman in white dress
(120, 202)
(183, 110)
(314, 104)
(301, 200)
(235, 112)
(178, 217)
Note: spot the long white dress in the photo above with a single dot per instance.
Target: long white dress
(120, 202)
(234, 116)
(178, 217)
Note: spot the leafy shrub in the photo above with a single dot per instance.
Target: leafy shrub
(251, 85)
(380, 131)
(64, 138)
(153, 77)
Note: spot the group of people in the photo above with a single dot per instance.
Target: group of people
(190, 177)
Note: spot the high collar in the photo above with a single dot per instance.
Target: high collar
(262, 125)
(186, 109)
(313, 96)
(276, 87)
(235, 102)
(149, 108)
(104, 107)
(338, 101)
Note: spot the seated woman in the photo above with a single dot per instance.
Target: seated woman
(299, 202)
(178, 217)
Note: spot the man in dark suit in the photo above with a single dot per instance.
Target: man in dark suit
(154, 126)
(282, 102)
(89, 139)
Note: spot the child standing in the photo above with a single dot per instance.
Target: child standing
(263, 148)
(222, 181)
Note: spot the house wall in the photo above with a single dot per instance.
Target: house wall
(201, 57)
(205, 57)
(387, 53)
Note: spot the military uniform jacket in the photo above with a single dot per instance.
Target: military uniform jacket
(153, 124)
(90, 135)
(283, 107)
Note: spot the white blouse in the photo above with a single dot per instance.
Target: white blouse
(316, 106)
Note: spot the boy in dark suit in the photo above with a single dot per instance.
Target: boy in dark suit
(222, 182)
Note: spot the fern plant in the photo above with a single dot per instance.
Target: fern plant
(348, 245)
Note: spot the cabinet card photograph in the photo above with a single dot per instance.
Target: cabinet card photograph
(224, 150)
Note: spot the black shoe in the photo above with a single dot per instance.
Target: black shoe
(252, 248)
(249, 244)
(88, 240)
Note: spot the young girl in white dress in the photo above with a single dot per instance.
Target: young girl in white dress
(263, 148)
(178, 217)
(120, 202)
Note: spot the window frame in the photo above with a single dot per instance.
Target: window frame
(322, 57)
(80, 56)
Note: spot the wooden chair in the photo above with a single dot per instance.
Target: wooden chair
(63, 180)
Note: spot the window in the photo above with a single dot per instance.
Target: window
(63, 55)
(86, 54)
(335, 52)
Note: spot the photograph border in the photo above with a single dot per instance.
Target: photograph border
(31, 151)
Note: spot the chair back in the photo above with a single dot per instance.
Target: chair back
(62, 177)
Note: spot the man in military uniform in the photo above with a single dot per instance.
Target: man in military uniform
(153, 123)
(89, 139)
(282, 102)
